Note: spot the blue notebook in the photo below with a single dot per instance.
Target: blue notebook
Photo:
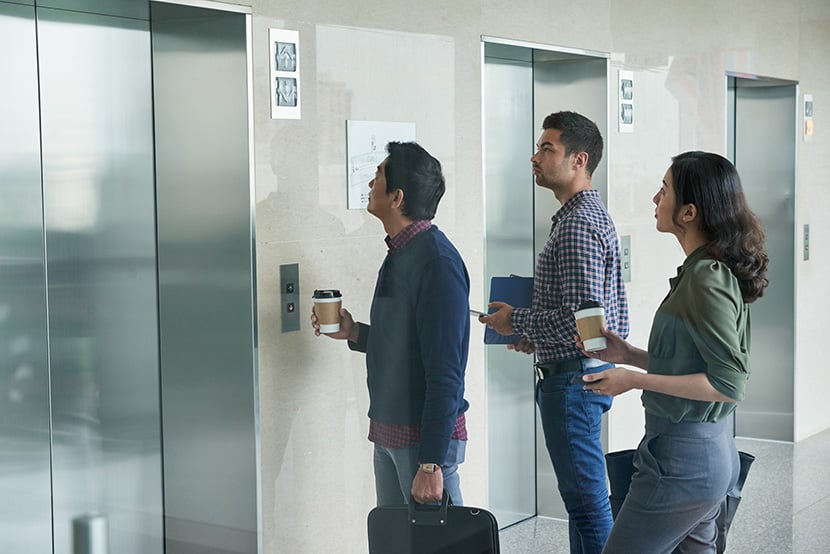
(514, 290)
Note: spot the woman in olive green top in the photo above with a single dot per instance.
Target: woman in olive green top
(697, 362)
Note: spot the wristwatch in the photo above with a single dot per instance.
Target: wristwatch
(429, 468)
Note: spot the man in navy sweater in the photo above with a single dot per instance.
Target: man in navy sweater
(416, 346)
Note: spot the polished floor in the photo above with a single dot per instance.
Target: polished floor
(785, 506)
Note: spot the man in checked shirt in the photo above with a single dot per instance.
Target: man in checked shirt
(580, 261)
(416, 346)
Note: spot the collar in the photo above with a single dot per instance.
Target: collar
(692, 258)
(408, 233)
(697, 254)
(572, 202)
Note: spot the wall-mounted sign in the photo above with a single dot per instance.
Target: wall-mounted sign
(285, 73)
(365, 149)
(625, 115)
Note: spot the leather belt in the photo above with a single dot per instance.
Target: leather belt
(558, 367)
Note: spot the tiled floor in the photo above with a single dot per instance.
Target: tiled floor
(785, 507)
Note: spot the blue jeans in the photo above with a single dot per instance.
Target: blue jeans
(572, 422)
(395, 469)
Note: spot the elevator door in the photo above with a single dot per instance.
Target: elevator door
(565, 81)
(25, 489)
(99, 215)
(508, 198)
(761, 141)
(205, 267)
(87, 297)
(523, 84)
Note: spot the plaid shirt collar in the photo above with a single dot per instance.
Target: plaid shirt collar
(407, 234)
(570, 205)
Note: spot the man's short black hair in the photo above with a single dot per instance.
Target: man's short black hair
(413, 170)
(578, 134)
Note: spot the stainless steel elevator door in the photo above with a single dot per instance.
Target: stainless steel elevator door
(206, 288)
(764, 130)
(80, 416)
(25, 503)
(508, 198)
(522, 85)
(572, 82)
(98, 189)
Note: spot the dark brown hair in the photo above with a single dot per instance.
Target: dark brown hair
(736, 238)
(577, 134)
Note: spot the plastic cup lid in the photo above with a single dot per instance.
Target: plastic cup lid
(326, 293)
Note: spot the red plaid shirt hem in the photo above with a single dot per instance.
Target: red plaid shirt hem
(401, 436)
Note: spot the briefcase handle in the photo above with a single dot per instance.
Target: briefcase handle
(429, 514)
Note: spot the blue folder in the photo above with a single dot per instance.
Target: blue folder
(514, 290)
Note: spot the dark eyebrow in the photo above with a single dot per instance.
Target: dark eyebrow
(546, 143)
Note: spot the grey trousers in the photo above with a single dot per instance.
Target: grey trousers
(395, 469)
(684, 471)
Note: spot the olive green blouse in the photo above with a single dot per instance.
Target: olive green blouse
(702, 326)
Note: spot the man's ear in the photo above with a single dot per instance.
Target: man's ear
(580, 160)
(397, 198)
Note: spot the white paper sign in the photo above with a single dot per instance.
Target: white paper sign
(365, 150)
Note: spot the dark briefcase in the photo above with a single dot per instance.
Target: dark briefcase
(426, 529)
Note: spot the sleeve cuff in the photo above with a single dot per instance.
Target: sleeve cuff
(362, 339)
(519, 320)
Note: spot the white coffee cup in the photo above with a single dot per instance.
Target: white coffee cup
(327, 304)
(590, 318)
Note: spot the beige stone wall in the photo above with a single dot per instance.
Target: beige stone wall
(421, 62)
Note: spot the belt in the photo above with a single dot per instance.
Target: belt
(558, 367)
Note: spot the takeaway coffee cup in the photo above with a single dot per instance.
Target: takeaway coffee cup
(590, 318)
(327, 304)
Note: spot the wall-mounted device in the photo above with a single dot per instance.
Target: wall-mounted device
(625, 117)
(625, 257)
(290, 297)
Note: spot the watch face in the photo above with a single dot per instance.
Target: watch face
(429, 468)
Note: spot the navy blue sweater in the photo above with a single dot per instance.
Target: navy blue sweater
(416, 346)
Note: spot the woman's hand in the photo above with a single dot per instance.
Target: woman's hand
(616, 351)
(611, 382)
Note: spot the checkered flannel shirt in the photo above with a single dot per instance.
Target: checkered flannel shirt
(580, 261)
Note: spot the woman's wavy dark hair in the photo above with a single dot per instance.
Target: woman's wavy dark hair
(711, 183)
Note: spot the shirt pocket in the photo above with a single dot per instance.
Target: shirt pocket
(663, 338)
